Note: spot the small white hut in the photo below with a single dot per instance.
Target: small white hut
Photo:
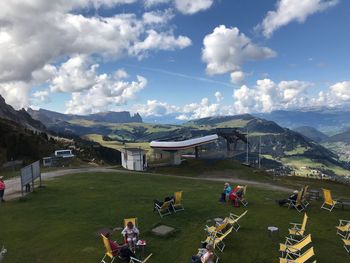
(134, 159)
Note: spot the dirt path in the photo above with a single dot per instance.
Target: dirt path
(13, 189)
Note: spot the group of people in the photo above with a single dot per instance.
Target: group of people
(232, 195)
(131, 235)
(2, 189)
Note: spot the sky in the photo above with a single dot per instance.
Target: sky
(183, 58)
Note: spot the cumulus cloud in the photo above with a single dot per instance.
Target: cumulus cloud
(106, 92)
(152, 3)
(158, 17)
(189, 7)
(341, 91)
(267, 96)
(41, 96)
(226, 49)
(155, 108)
(290, 10)
(218, 96)
(237, 77)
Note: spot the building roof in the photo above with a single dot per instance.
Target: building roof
(180, 145)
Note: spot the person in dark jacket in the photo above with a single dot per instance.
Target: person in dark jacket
(291, 198)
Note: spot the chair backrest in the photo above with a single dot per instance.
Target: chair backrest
(222, 237)
(302, 243)
(306, 256)
(299, 197)
(327, 196)
(303, 225)
(109, 251)
(222, 226)
(243, 214)
(178, 197)
(306, 190)
(133, 220)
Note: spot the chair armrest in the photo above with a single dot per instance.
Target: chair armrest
(233, 216)
(342, 221)
(289, 239)
(135, 259)
(295, 225)
(158, 206)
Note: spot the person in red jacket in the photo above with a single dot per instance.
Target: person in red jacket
(235, 194)
(2, 189)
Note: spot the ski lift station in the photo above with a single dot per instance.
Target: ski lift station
(134, 159)
(174, 147)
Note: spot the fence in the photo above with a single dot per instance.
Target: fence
(28, 175)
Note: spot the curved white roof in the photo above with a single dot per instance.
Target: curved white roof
(171, 145)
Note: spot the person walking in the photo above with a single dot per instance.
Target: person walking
(2, 189)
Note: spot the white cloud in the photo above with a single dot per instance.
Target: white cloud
(155, 108)
(121, 74)
(189, 7)
(218, 96)
(341, 91)
(158, 17)
(237, 77)
(291, 10)
(267, 96)
(42, 96)
(152, 3)
(226, 49)
(106, 92)
(201, 110)
(15, 93)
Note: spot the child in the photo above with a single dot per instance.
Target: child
(131, 234)
(225, 194)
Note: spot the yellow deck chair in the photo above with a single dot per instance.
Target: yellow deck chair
(303, 258)
(164, 210)
(135, 260)
(347, 245)
(233, 220)
(298, 229)
(133, 220)
(218, 242)
(177, 204)
(329, 202)
(293, 246)
(242, 199)
(297, 204)
(217, 230)
(343, 229)
(109, 251)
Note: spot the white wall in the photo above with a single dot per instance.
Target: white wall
(134, 161)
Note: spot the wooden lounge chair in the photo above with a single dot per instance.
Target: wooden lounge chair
(304, 196)
(164, 210)
(343, 229)
(347, 245)
(298, 229)
(329, 202)
(297, 204)
(112, 255)
(233, 220)
(218, 242)
(135, 260)
(293, 246)
(217, 230)
(177, 204)
(300, 259)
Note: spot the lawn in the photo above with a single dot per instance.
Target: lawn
(58, 223)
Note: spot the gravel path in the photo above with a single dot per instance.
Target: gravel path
(13, 189)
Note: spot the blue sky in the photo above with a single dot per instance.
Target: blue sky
(67, 59)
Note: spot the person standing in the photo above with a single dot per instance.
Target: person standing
(2, 189)
(226, 192)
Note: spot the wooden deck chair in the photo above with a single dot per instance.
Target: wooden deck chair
(297, 204)
(293, 246)
(329, 202)
(304, 196)
(164, 210)
(133, 220)
(233, 220)
(135, 260)
(298, 229)
(347, 245)
(217, 230)
(177, 204)
(218, 242)
(242, 199)
(343, 229)
(301, 259)
(109, 252)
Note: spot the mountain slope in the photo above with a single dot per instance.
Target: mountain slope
(311, 133)
(341, 137)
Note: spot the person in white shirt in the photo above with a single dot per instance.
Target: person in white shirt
(204, 255)
(131, 234)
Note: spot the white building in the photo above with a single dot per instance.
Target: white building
(134, 159)
(64, 153)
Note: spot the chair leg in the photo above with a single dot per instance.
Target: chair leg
(236, 226)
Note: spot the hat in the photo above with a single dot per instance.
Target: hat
(1, 177)
(295, 191)
(227, 184)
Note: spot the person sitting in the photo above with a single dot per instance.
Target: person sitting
(160, 203)
(235, 194)
(131, 235)
(123, 251)
(204, 255)
(291, 198)
(225, 194)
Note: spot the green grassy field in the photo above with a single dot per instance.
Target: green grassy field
(59, 222)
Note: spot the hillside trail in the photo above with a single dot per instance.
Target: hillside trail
(13, 188)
